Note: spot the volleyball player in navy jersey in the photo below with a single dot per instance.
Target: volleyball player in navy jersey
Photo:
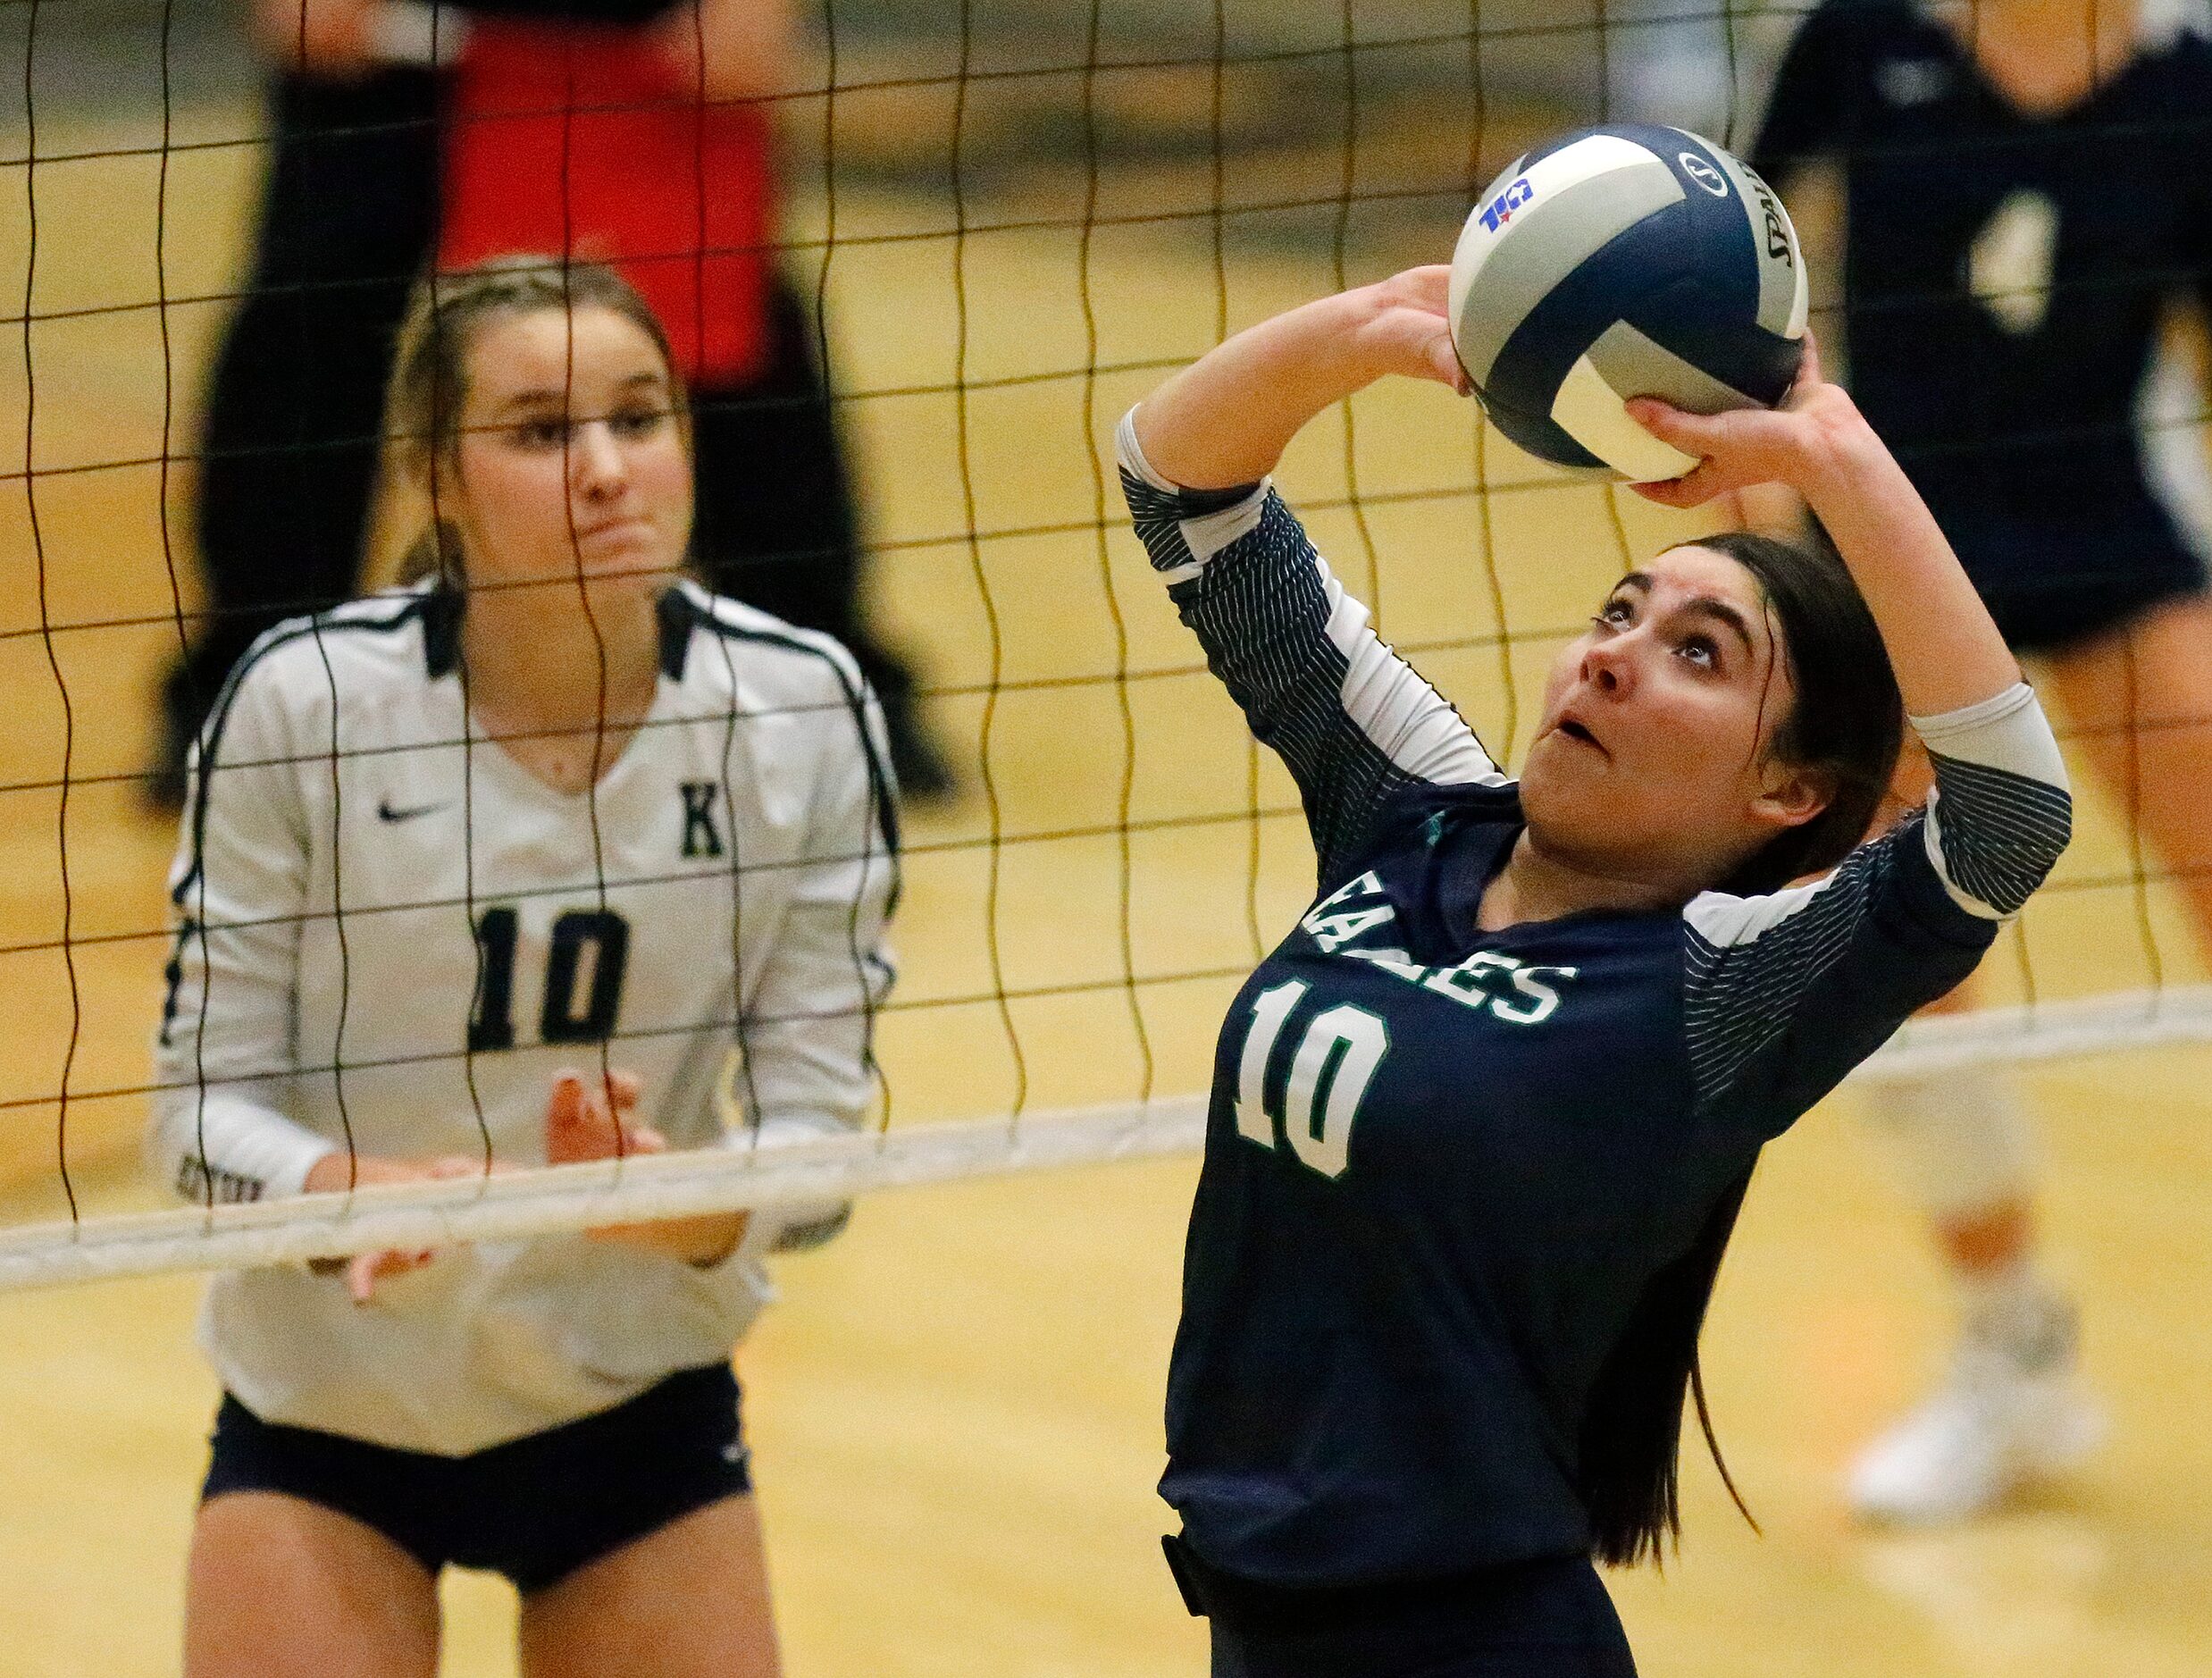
(2026, 198)
(1481, 1123)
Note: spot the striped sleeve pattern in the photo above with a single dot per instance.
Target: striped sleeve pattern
(2000, 814)
(1788, 992)
(1352, 721)
(1750, 962)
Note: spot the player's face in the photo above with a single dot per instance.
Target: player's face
(570, 461)
(1652, 759)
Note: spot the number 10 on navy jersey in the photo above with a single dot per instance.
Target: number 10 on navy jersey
(1330, 1069)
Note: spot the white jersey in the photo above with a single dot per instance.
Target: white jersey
(390, 933)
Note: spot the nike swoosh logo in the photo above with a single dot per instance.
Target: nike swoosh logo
(406, 812)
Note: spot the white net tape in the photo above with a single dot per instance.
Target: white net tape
(509, 1205)
(512, 1205)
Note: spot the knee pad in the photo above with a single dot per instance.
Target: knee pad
(1957, 1142)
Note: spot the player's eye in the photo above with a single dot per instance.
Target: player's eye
(638, 422)
(1701, 650)
(1617, 613)
(540, 431)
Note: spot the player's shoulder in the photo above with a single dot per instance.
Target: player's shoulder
(1872, 22)
(707, 637)
(1724, 920)
(2177, 36)
(391, 635)
(355, 653)
(1859, 43)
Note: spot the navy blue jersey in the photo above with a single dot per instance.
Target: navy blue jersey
(1442, 1164)
(2005, 273)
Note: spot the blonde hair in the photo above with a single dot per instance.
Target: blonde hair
(429, 385)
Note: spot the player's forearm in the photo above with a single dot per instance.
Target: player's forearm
(1945, 649)
(1226, 419)
(221, 1146)
(701, 1242)
(705, 1240)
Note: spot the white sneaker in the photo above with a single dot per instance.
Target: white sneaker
(2013, 1408)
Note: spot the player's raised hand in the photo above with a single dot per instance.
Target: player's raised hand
(585, 1123)
(1408, 326)
(1225, 419)
(1745, 447)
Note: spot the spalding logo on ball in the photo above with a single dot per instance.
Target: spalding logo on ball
(1621, 261)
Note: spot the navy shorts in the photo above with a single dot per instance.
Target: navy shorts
(536, 1508)
(1547, 1618)
(2052, 585)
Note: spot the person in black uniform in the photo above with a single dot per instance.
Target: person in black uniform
(347, 220)
(1480, 1125)
(2024, 200)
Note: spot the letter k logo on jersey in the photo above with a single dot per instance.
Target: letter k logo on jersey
(702, 837)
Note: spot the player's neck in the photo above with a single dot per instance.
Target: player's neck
(1537, 884)
(2045, 56)
(534, 662)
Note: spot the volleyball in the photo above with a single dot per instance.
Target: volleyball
(1620, 261)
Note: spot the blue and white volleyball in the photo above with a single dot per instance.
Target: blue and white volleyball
(1620, 261)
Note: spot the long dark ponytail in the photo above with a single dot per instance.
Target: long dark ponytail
(1630, 1447)
(1846, 723)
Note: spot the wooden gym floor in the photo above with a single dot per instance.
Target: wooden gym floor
(956, 1406)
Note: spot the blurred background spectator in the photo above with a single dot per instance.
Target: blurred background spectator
(379, 108)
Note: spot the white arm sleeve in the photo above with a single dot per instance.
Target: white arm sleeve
(806, 1030)
(224, 1055)
(2000, 812)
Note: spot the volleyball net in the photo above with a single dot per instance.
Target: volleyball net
(1005, 223)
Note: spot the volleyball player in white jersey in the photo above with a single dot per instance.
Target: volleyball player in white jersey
(499, 869)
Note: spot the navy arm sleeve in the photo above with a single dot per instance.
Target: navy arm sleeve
(1355, 722)
(1785, 994)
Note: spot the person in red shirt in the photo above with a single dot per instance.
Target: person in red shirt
(369, 168)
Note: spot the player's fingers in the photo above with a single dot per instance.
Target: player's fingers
(1809, 369)
(622, 1090)
(645, 1139)
(1445, 359)
(1412, 341)
(452, 1165)
(567, 1102)
(368, 1268)
(1692, 489)
(1692, 433)
(1429, 285)
(603, 1133)
(576, 1124)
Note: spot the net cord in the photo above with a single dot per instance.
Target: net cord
(640, 1188)
(513, 1206)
